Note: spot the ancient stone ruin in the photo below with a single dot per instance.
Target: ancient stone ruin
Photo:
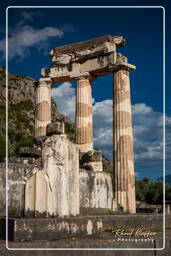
(83, 62)
(59, 187)
(62, 178)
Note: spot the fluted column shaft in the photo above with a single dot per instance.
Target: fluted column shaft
(43, 106)
(124, 179)
(84, 122)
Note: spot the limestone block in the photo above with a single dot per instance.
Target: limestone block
(40, 195)
(97, 66)
(30, 229)
(30, 196)
(55, 128)
(61, 162)
(38, 140)
(62, 59)
(96, 190)
(73, 166)
(91, 156)
(91, 44)
(18, 175)
(92, 160)
(82, 56)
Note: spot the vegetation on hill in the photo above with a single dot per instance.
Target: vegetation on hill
(151, 192)
(21, 109)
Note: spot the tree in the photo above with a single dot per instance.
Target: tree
(151, 192)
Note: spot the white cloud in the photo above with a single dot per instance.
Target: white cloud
(141, 108)
(147, 128)
(24, 37)
(103, 129)
(64, 95)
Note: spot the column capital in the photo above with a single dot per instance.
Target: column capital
(45, 81)
(83, 76)
(123, 66)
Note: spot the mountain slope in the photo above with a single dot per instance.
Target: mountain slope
(21, 109)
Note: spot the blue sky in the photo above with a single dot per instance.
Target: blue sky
(34, 32)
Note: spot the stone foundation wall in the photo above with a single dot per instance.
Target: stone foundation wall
(30, 229)
(18, 174)
(45, 188)
(57, 188)
(96, 191)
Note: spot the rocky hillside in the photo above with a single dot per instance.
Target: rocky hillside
(21, 109)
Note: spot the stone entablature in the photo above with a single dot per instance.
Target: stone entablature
(119, 41)
(97, 56)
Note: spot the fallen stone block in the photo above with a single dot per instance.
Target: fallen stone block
(55, 128)
(91, 160)
(38, 140)
(91, 156)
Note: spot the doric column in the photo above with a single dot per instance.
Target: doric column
(84, 122)
(124, 179)
(43, 106)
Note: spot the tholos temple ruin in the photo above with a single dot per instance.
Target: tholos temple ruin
(62, 178)
(83, 62)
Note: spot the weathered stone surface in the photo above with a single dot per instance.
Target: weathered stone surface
(81, 62)
(91, 156)
(55, 190)
(105, 241)
(26, 229)
(97, 56)
(22, 160)
(55, 128)
(89, 44)
(92, 160)
(95, 190)
(79, 243)
(18, 174)
(30, 152)
(43, 106)
(38, 140)
(98, 66)
(84, 122)
(146, 221)
(124, 179)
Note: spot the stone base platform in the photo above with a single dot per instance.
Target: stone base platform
(29, 229)
(144, 221)
(107, 245)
